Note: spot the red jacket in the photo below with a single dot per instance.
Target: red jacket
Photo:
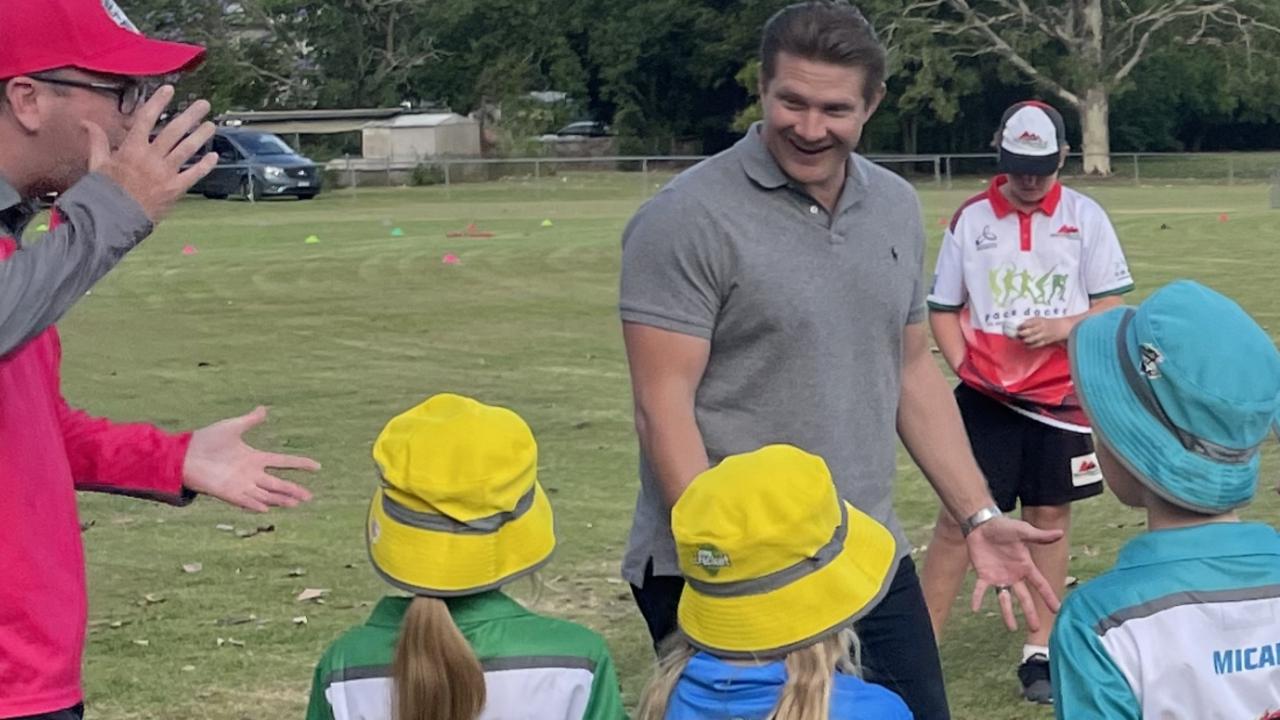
(48, 450)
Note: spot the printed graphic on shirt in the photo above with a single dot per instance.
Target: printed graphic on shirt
(1011, 284)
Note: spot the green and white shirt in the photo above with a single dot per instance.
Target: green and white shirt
(534, 666)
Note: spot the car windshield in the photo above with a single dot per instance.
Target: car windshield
(264, 144)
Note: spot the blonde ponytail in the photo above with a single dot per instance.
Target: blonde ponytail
(436, 673)
(811, 675)
(675, 653)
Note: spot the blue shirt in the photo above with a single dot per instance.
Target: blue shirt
(1187, 625)
(712, 689)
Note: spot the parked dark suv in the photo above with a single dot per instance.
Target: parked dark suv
(255, 165)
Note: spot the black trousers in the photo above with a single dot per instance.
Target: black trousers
(71, 713)
(898, 647)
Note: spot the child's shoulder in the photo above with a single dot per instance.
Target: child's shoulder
(856, 699)
(536, 634)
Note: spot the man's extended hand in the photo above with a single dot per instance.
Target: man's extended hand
(151, 170)
(998, 550)
(220, 464)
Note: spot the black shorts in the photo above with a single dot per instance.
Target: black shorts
(1026, 461)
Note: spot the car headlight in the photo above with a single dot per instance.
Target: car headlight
(273, 173)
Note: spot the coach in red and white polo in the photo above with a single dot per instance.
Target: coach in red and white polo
(1020, 265)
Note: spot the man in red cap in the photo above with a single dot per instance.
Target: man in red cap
(76, 121)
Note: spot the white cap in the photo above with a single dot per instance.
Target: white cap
(1030, 140)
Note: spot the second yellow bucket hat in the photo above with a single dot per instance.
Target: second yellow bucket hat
(773, 559)
(459, 510)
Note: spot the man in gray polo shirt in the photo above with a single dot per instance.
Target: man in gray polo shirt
(774, 294)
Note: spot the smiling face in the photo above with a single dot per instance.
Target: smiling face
(814, 113)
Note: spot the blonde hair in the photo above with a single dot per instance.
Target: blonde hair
(811, 672)
(435, 672)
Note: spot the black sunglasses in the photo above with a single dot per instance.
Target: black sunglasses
(128, 96)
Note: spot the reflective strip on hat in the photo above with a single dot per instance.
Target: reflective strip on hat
(1141, 387)
(445, 524)
(787, 575)
(119, 17)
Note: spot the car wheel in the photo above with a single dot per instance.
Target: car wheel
(215, 195)
(307, 196)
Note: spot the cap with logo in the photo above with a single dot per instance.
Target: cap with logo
(1032, 135)
(459, 510)
(1185, 389)
(773, 559)
(91, 35)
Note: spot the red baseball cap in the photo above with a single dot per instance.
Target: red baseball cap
(91, 35)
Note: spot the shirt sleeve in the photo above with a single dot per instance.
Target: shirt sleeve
(674, 267)
(97, 223)
(1106, 271)
(605, 702)
(132, 459)
(949, 293)
(917, 312)
(1087, 683)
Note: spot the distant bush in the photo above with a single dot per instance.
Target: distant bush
(424, 174)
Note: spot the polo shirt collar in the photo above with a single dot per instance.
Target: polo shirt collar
(763, 170)
(470, 609)
(1002, 207)
(1222, 539)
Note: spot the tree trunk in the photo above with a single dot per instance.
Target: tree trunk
(1094, 116)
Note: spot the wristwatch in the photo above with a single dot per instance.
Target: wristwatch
(986, 514)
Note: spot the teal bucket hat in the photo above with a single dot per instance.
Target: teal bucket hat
(1185, 389)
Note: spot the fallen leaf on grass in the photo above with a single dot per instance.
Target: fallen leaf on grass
(191, 568)
(230, 641)
(142, 643)
(188, 668)
(300, 620)
(297, 572)
(153, 598)
(224, 527)
(312, 594)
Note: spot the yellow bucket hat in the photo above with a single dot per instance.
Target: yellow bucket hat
(773, 559)
(460, 510)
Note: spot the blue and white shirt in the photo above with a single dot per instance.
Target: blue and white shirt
(1186, 625)
(712, 689)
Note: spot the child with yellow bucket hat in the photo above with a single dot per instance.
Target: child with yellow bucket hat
(458, 514)
(777, 569)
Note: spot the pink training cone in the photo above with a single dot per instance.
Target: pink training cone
(1223, 217)
(189, 250)
(451, 259)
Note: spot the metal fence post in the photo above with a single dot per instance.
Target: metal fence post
(388, 171)
(1231, 171)
(446, 164)
(937, 170)
(1137, 177)
(948, 172)
(537, 169)
(644, 175)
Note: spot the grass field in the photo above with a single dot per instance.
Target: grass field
(340, 335)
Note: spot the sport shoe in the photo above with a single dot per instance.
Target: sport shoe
(1034, 675)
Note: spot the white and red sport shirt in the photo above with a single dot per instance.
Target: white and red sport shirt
(998, 265)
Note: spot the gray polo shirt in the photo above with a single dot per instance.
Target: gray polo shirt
(804, 310)
(39, 283)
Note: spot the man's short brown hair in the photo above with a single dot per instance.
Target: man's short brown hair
(829, 31)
